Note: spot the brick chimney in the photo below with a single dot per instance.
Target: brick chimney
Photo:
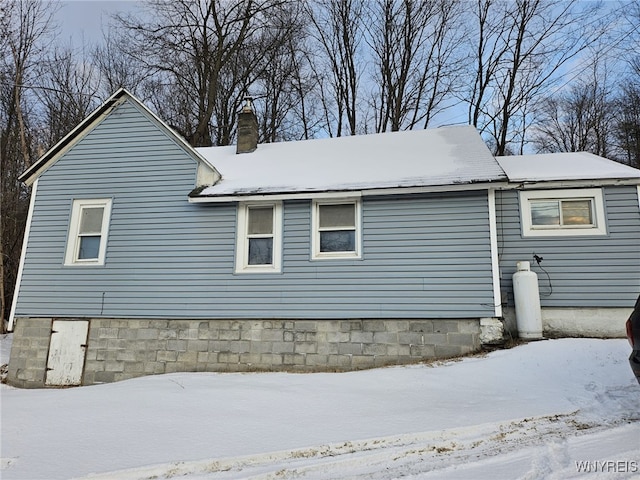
(247, 128)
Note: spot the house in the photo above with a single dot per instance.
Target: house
(579, 212)
(143, 255)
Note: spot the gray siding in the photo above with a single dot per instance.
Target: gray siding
(423, 256)
(598, 271)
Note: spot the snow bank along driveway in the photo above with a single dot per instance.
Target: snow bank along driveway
(553, 409)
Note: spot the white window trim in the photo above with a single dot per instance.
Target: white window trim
(242, 243)
(73, 241)
(316, 254)
(593, 194)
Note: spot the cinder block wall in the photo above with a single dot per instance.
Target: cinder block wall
(121, 349)
(29, 351)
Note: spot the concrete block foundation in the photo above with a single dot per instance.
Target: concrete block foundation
(119, 349)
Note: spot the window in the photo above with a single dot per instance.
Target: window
(87, 242)
(563, 212)
(336, 229)
(259, 238)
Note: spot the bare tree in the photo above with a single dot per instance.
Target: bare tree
(115, 68)
(306, 113)
(579, 119)
(278, 95)
(285, 90)
(205, 52)
(487, 52)
(67, 93)
(632, 32)
(263, 69)
(627, 125)
(338, 29)
(518, 50)
(414, 47)
(627, 122)
(24, 26)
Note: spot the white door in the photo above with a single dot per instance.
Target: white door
(66, 352)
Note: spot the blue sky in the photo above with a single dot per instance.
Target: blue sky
(84, 19)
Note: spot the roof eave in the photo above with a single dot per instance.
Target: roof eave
(575, 183)
(196, 197)
(55, 152)
(29, 175)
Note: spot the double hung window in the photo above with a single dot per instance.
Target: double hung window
(87, 241)
(259, 238)
(336, 229)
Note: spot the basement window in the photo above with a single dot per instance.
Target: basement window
(336, 229)
(259, 242)
(87, 241)
(563, 212)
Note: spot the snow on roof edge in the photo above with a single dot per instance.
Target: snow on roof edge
(564, 166)
(418, 158)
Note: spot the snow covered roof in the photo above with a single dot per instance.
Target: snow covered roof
(564, 166)
(419, 158)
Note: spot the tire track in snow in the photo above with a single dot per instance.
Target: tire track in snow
(392, 457)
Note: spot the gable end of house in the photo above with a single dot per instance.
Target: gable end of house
(207, 175)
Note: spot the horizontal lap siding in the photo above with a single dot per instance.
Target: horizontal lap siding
(423, 256)
(155, 255)
(598, 271)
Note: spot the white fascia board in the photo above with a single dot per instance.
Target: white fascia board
(87, 125)
(605, 182)
(23, 253)
(495, 263)
(306, 195)
(81, 131)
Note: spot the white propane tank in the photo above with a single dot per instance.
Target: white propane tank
(527, 299)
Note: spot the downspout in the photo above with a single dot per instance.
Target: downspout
(495, 263)
(492, 328)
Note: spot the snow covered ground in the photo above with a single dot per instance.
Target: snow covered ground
(553, 409)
